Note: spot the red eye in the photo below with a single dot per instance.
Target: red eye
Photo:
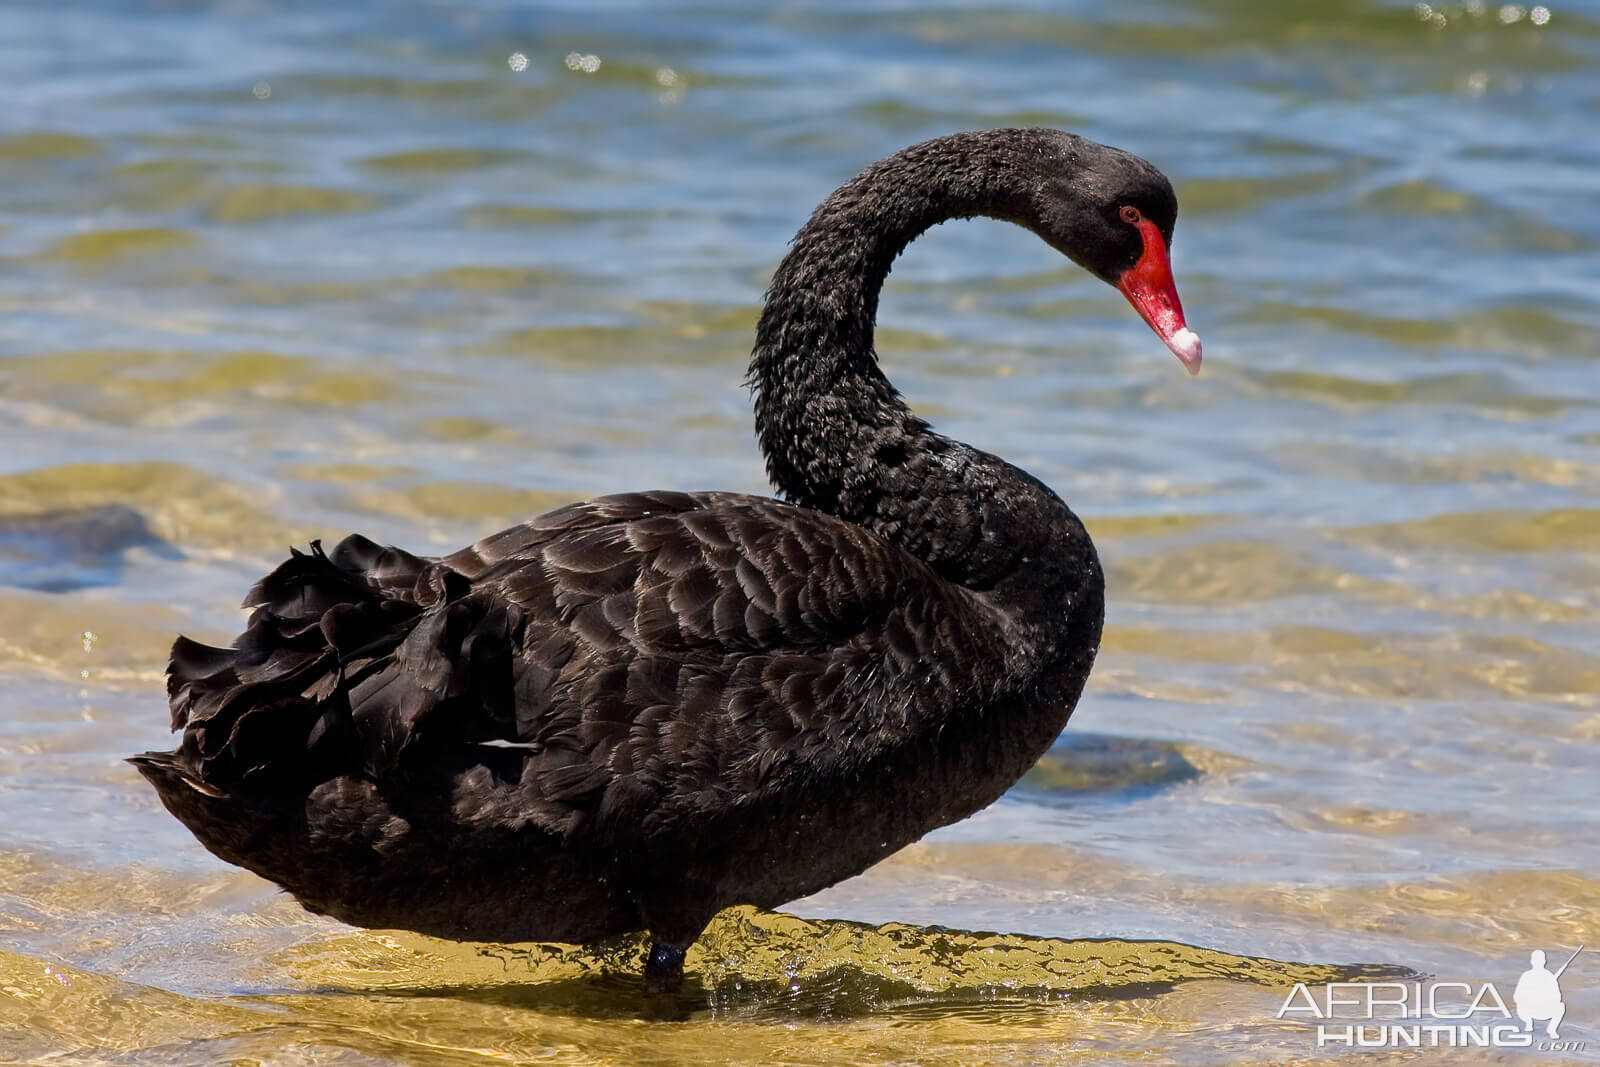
(1130, 214)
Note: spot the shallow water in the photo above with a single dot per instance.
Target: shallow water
(272, 272)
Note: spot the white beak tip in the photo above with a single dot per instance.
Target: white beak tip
(1185, 344)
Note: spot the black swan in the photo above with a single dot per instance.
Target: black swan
(630, 713)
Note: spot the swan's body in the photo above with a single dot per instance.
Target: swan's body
(632, 712)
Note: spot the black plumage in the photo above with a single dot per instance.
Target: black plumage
(632, 712)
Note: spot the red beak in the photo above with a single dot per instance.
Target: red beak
(1149, 287)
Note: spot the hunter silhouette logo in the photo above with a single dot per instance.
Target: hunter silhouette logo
(1538, 994)
(1439, 1013)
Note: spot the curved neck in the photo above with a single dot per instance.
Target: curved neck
(836, 434)
(823, 406)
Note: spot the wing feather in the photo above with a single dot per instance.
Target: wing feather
(639, 651)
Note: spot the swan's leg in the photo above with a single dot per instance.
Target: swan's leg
(663, 969)
(676, 914)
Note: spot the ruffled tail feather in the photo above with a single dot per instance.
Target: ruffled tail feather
(345, 659)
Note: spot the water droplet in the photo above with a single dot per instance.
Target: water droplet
(578, 61)
(517, 62)
(1510, 13)
(1539, 15)
(261, 90)
(666, 77)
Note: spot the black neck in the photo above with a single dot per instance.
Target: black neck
(836, 434)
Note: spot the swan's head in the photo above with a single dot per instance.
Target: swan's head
(1112, 214)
